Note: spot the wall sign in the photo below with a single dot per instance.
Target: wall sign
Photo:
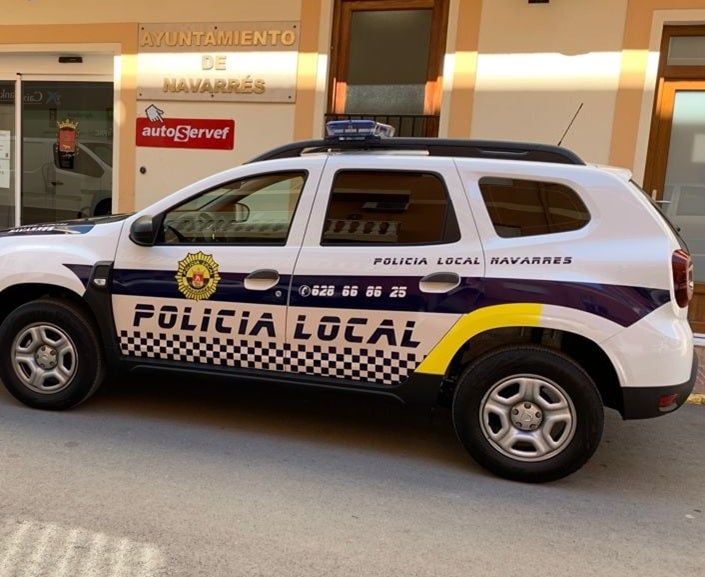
(209, 133)
(224, 62)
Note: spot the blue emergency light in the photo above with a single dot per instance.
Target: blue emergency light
(344, 130)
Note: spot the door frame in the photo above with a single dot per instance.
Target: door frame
(340, 48)
(16, 166)
(657, 165)
(660, 139)
(671, 79)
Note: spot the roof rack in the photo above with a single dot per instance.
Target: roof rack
(371, 135)
(434, 147)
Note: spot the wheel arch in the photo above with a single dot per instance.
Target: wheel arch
(19, 294)
(584, 351)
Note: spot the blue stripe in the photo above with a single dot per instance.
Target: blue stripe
(623, 305)
(153, 284)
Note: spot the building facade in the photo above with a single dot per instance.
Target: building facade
(108, 106)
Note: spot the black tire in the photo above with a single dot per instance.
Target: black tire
(50, 355)
(528, 413)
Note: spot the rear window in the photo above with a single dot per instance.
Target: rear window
(529, 207)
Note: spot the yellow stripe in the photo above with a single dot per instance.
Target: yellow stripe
(474, 323)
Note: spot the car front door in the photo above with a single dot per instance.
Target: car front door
(213, 287)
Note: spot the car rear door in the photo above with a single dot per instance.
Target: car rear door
(390, 261)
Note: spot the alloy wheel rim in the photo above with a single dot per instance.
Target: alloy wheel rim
(527, 418)
(44, 358)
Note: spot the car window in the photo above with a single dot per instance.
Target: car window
(389, 207)
(531, 207)
(254, 210)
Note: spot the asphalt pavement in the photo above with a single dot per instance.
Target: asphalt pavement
(189, 478)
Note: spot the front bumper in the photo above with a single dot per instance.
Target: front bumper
(646, 402)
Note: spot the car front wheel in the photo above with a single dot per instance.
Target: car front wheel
(50, 356)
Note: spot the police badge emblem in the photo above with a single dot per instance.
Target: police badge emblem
(197, 276)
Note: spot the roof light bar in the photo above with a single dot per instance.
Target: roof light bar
(362, 130)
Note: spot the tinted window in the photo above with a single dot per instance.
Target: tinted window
(528, 207)
(255, 210)
(382, 207)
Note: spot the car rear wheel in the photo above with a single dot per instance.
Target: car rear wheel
(528, 413)
(50, 356)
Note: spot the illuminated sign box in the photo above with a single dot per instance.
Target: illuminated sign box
(223, 62)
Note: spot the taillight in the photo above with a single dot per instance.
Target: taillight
(683, 282)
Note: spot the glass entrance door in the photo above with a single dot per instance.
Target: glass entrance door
(676, 174)
(684, 185)
(66, 150)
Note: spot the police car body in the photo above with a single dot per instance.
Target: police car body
(501, 279)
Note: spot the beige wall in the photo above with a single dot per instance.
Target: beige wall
(538, 63)
(89, 11)
(460, 68)
(258, 127)
(511, 71)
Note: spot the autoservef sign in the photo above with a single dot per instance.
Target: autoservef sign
(209, 133)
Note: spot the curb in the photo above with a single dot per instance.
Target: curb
(696, 399)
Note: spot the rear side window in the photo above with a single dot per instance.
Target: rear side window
(389, 207)
(530, 207)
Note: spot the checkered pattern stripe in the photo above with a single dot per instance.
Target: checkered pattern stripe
(385, 367)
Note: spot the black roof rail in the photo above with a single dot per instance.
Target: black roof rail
(495, 149)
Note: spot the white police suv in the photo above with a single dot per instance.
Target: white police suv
(512, 281)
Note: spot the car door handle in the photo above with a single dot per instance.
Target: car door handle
(56, 183)
(439, 282)
(261, 280)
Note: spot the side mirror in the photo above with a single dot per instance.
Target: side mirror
(143, 231)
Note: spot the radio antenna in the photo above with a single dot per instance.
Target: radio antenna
(571, 123)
